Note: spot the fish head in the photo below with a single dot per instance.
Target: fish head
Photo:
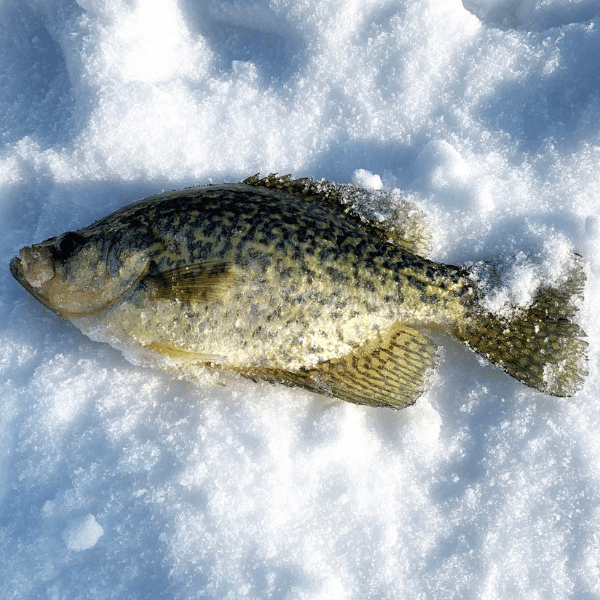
(79, 273)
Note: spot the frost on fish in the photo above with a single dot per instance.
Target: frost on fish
(307, 284)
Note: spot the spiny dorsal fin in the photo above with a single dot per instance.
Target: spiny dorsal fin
(390, 371)
(405, 224)
(280, 182)
(202, 282)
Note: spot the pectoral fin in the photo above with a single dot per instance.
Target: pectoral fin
(389, 372)
(201, 282)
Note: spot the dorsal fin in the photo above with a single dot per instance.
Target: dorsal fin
(400, 222)
(284, 183)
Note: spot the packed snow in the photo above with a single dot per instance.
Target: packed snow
(121, 482)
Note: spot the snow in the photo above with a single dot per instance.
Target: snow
(82, 534)
(117, 481)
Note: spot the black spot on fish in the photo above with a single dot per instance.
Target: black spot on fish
(416, 283)
(429, 299)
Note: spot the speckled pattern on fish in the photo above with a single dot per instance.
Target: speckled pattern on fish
(283, 280)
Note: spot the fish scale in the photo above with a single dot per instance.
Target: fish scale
(282, 280)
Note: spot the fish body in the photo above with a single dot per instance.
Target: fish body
(278, 279)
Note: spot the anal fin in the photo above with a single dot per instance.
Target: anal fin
(390, 371)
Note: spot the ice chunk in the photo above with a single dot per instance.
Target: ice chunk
(82, 534)
(364, 179)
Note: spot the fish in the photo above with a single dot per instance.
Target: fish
(289, 281)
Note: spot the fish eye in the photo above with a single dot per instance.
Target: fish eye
(67, 243)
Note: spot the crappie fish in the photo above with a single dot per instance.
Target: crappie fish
(280, 280)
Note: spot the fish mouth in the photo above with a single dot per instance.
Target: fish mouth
(17, 271)
(69, 297)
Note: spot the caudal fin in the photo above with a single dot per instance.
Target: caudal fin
(540, 346)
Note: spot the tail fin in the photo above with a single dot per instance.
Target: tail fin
(539, 346)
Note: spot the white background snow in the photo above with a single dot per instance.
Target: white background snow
(121, 482)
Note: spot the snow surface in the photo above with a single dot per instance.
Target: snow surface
(120, 482)
(82, 534)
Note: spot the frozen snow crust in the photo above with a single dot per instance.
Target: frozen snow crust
(119, 482)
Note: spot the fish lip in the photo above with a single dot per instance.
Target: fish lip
(16, 270)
